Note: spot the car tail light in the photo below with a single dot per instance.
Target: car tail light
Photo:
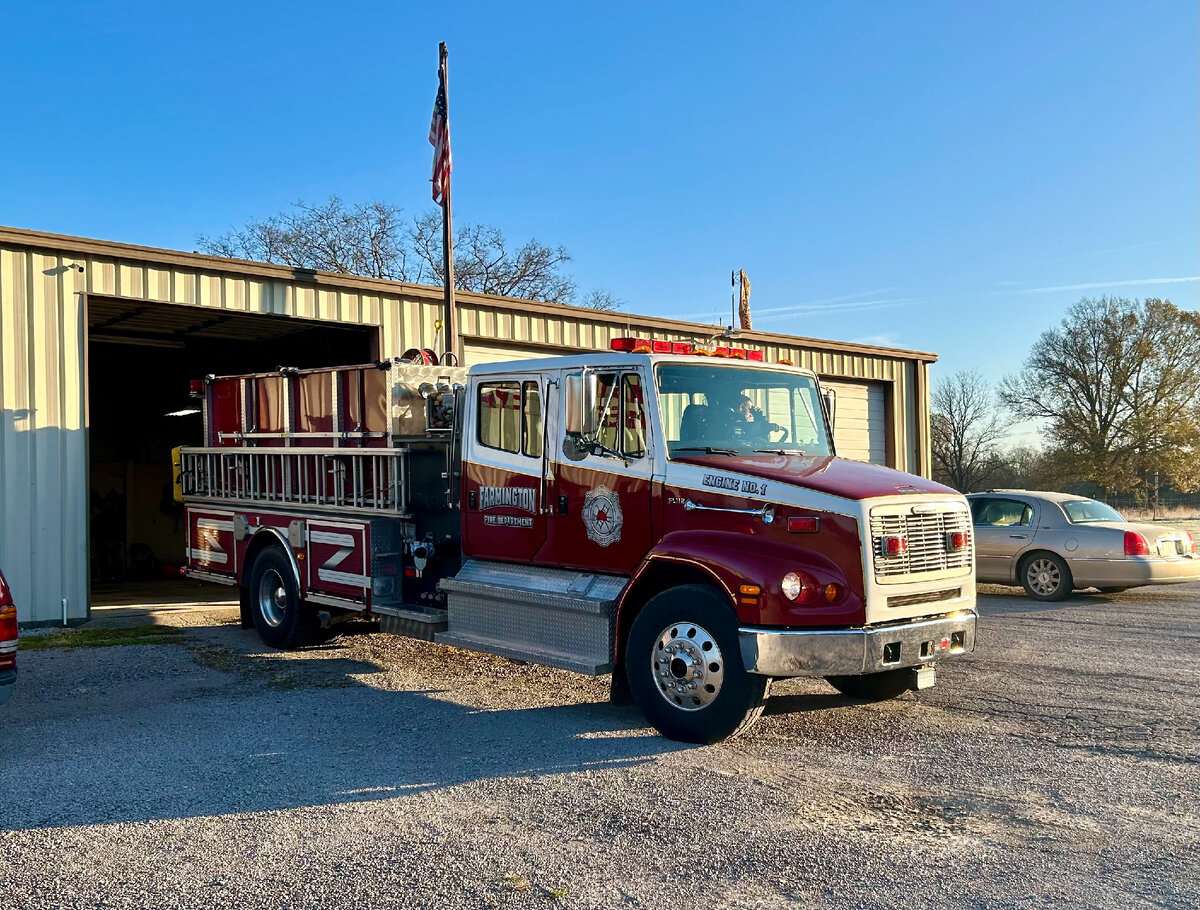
(894, 545)
(1191, 543)
(1135, 544)
(8, 633)
(957, 540)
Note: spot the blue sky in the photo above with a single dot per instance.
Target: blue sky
(947, 177)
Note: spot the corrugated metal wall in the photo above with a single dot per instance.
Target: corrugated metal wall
(45, 282)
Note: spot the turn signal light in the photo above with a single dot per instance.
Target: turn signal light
(834, 593)
(894, 545)
(1135, 544)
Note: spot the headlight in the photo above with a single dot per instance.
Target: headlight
(792, 585)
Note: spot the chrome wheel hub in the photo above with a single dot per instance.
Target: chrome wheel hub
(1043, 576)
(688, 666)
(272, 598)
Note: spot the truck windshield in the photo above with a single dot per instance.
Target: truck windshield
(720, 409)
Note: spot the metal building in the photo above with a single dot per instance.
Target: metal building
(98, 340)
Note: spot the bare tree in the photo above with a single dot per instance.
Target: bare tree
(365, 239)
(600, 299)
(968, 427)
(484, 261)
(1119, 384)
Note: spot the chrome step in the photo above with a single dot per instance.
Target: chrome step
(412, 622)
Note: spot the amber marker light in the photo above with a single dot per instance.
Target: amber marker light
(750, 589)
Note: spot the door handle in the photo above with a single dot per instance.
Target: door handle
(1018, 536)
(563, 503)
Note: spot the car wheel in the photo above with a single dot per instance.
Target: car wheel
(684, 665)
(1046, 577)
(282, 619)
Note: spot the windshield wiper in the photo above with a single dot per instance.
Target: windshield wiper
(707, 450)
(780, 451)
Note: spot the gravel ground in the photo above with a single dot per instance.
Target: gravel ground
(1057, 767)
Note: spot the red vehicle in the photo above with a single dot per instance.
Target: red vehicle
(8, 642)
(677, 520)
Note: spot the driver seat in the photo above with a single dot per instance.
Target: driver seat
(693, 423)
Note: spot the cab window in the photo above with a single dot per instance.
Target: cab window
(620, 415)
(510, 417)
(1001, 513)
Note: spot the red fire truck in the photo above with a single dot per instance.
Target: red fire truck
(677, 519)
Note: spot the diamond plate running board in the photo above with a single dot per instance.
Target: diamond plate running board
(557, 617)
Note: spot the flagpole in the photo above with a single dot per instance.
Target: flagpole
(450, 323)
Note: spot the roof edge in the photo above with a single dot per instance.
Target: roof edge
(45, 240)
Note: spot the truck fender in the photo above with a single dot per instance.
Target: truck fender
(265, 537)
(727, 560)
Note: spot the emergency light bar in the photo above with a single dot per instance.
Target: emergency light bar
(650, 346)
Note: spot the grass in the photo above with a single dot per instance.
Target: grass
(103, 638)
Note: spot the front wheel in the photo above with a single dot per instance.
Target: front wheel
(282, 619)
(873, 686)
(685, 671)
(1046, 577)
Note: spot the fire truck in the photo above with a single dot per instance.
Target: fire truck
(678, 518)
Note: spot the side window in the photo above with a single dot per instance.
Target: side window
(1001, 513)
(500, 416)
(633, 416)
(531, 419)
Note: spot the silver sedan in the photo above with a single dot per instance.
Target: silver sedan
(1053, 543)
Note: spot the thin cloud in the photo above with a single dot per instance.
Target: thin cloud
(788, 309)
(1110, 284)
(861, 307)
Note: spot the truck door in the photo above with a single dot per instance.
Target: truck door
(601, 496)
(504, 493)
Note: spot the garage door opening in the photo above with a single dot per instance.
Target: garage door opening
(141, 357)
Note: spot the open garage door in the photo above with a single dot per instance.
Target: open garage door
(141, 356)
(860, 421)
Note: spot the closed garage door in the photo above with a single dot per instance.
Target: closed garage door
(474, 353)
(860, 421)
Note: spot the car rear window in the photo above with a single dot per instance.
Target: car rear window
(1081, 511)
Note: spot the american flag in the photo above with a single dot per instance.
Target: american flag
(439, 138)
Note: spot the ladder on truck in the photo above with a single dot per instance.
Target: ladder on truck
(365, 481)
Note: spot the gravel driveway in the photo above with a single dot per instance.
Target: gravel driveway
(1055, 768)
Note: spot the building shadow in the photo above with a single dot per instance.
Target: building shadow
(268, 748)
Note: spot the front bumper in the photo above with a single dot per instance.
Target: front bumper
(850, 652)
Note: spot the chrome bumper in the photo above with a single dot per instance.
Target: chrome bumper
(849, 652)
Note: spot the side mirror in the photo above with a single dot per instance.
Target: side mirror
(829, 398)
(582, 389)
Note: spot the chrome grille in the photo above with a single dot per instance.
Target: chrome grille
(926, 536)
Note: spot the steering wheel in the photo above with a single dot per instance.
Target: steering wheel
(776, 428)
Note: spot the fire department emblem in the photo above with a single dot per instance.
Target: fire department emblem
(602, 515)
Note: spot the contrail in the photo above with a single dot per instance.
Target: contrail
(1110, 284)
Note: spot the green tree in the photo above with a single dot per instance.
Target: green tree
(967, 428)
(1118, 383)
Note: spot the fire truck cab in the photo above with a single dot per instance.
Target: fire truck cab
(679, 520)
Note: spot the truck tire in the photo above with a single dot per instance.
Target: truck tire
(1045, 576)
(684, 666)
(873, 686)
(282, 618)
